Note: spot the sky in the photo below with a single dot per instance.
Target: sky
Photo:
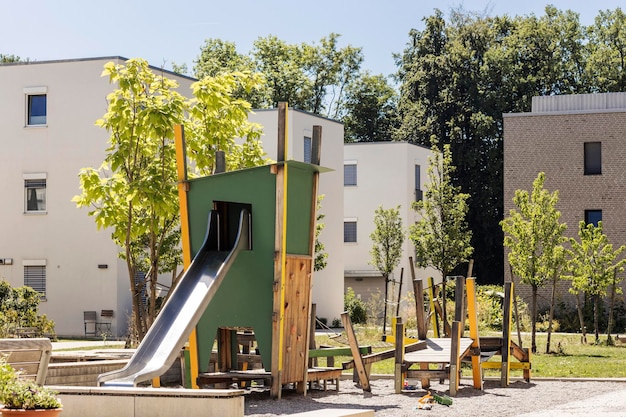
(166, 32)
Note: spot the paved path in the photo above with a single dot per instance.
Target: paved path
(609, 404)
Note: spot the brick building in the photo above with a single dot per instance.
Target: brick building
(579, 142)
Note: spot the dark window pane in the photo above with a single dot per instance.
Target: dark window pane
(593, 217)
(349, 231)
(35, 277)
(593, 158)
(37, 109)
(307, 150)
(349, 174)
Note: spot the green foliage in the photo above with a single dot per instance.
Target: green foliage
(370, 109)
(355, 307)
(387, 239)
(534, 236)
(19, 307)
(441, 237)
(17, 393)
(309, 77)
(134, 193)
(321, 256)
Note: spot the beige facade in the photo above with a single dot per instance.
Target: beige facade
(42, 233)
(51, 241)
(387, 174)
(554, 138)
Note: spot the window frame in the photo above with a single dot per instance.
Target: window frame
(35, 181)
(590, 213)
(308, 149)
(35, 276)
(353, 176)
(592, 158)
(30, 93)
(346, 222)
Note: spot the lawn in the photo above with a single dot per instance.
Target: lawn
(570, 358)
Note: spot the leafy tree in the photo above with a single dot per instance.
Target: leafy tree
(7, 59)
(310, 77)
(133, 193)
(19, 307)
(534, 235)
(321, 256)
(370, 109)
(387, 239)
(441, 237)
(607, 44)
(593, 266)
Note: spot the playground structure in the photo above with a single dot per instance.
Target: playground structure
(441, 358)
(251, 233)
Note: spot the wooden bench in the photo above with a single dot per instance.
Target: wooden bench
(29, 356)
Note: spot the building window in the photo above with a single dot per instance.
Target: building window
(35, 276)
(36, 106)
(349, 173)
(307, 149)
(593, 158)
(593, 217)
(349, 231)
(419, 195)
(34, 193)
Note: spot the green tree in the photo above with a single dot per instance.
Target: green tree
(593, 265)
(321, 256)
(7, 59)
(387, 240)
(19, 307)
(441, 237)
(533, 234)
(370, 109)
(133, 193)
(607, 44)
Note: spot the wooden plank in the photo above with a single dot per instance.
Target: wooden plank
(399, 356)
(437, 351)
(455, 351)
(420, 314)
(386, 354)
(337, 351)
(472, 312)
(506, 334)
(354, 346)
(431, 297)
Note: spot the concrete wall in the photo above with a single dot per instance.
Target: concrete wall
(552, 141)
(63, 238)
(385, 176)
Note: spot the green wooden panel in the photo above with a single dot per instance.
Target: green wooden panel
(299, 190)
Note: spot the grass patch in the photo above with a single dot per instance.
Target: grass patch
(568, 358)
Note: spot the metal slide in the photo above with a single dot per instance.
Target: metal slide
(180, 314)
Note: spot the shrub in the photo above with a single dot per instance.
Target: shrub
(355, 307)
(19, 307)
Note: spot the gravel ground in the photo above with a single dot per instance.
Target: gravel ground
(537, 398)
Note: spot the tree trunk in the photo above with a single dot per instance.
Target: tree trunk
(533, 319)
(581, 319)
(551, 316)
(385, 307)
(596, 324)
(609, 327)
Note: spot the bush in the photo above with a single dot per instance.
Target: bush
(19, 307)
(355, 307)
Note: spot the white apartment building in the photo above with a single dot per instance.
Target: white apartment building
(47, 134)
(377, 174)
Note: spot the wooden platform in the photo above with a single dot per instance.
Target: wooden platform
(437, 351)
(313, 374)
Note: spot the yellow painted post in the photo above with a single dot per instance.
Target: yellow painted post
(477, 370)
(183, 187)
(431, 297)
(283, 249)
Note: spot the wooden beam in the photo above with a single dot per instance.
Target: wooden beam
(399, 356)
(472, 312)
(418, 290)
(354, 346)
(316, 145)
(454, 357)
(506, 334)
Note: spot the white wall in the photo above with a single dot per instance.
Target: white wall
(385, 176)
(327, 284)
(65, 237)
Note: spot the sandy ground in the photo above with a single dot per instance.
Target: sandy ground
(539, 398)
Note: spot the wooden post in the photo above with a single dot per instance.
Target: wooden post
(459, 302)
(399, 356)
(506, 334)
(472, 312)
(454, 357)
(418, 289)
(431, 296)
(316, 145)
(356, 354)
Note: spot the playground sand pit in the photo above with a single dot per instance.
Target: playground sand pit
(537, 398)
